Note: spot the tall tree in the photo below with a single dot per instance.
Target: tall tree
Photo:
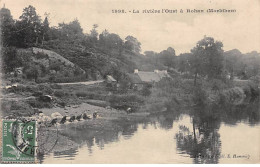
(132, 44)
(7, 27)
(207, 58)
(71, 30)
(167, 57)
(28, 27)
(45, 29)
(184, 62)
(103, 39)
(94, 34)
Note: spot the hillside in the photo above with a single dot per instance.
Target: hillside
(46, 66)
(96, 62)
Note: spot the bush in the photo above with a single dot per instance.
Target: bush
(45, 88)
(232, 95)
(146, 91)
(10, 59)
(55, 86)
(59, 93)
(17, 108)
(40, 55)
(32, 72)
(124, 101)
(217, 85)
(35, 103)
(83, 94)
(255, 79)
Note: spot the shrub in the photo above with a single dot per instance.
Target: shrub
(55, 86)
(40, 55)
(59, 93)
(45, 88)
(82, 94)
(127, 100)
(146, 91)
(256, 79)
(32, 71)
(16, 108)
(35, 103)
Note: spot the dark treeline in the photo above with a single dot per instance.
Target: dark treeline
(98, 54)
(29, 30)
(107, 53)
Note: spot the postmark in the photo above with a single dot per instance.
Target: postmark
(23, 141)
(47, 138)
(19, 141)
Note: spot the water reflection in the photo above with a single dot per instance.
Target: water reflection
(67, 154)
(165, 119)
(171, 136)
(202, 142)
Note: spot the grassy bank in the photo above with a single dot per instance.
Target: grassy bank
(167, 95)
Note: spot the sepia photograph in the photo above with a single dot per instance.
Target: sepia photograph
(130, 81)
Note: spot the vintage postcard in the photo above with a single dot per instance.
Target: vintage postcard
(130, 81)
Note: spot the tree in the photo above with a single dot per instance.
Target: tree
(167, 57)
(111, 42)
(28, 27)
(184, 62)
(103, 39)
(45, 29)
(207, 58)
(94, 34)
(132, 44)
(10, 59)
(32, 72)
(71, 31)
(7, 27)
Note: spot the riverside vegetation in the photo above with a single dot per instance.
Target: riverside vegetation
(205, 76)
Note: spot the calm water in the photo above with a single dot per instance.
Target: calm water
(202, 136)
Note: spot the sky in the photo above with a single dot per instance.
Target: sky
(157, 32)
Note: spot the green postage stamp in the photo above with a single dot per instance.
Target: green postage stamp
(18, 141)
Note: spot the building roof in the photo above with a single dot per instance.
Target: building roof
(149, 76)
(143, 76)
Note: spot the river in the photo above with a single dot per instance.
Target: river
(202, 136)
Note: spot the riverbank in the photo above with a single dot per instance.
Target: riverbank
(171, 96)
(108, 120)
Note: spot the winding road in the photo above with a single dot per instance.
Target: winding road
(83, 83)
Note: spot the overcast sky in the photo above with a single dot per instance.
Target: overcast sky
(156, 32)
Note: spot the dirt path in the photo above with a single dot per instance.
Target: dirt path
(82, 83)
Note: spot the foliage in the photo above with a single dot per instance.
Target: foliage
(32, 72)
(126, 100)
(207, 58)
(70, 31)
(7, 25)
(28, 28)
(146, 91)
(10, 59)
(244, 66)
(167, 57)
(132, 44)
(200, 96)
